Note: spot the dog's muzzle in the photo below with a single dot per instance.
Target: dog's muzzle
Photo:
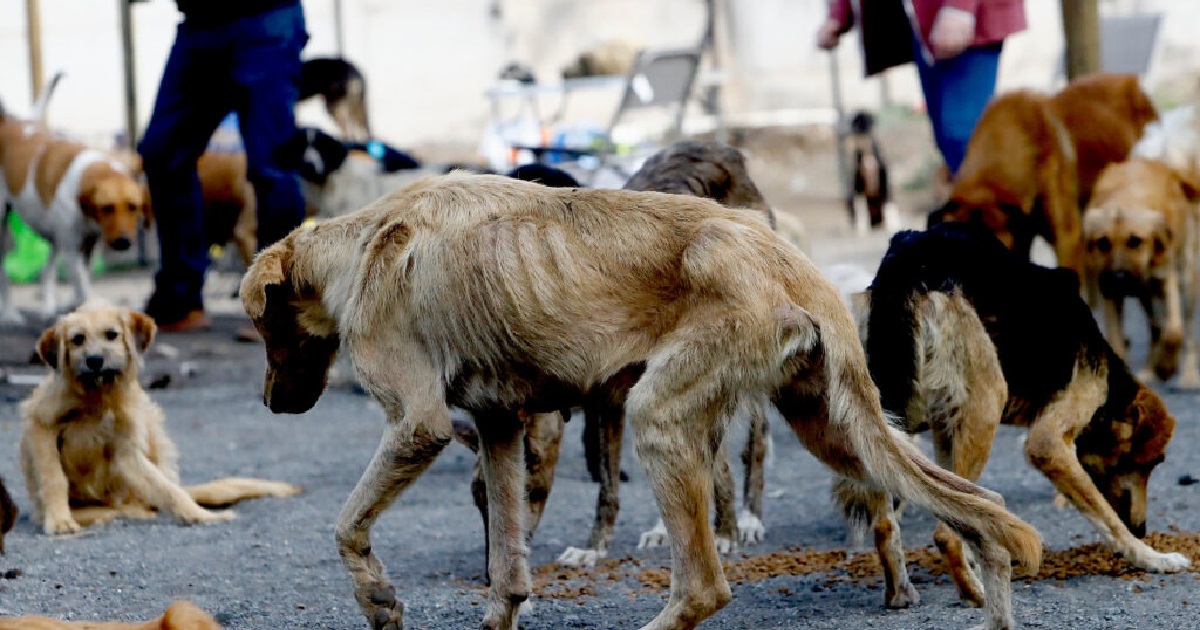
(1117, 284)
(120, 244)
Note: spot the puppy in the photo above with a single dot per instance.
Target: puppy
(870, 192)
(8, 513)
(341, 85)
(507, 298)
(963, 335)
(93, 444)
(1142, 230)
(179, 616)
(71, 195)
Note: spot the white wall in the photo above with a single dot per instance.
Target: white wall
(428, 63)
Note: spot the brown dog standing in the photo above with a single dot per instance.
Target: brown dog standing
(8, 513)
(1142, 231)
(1033, 160)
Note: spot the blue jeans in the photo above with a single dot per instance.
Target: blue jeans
(250, 65)
(956, 92)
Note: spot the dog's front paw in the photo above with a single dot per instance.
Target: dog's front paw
(383, 609)
(724, 545)
(1189, 379)
(207, 517)
(657, 537)
(751, 530)
(1162, 562)
(577, 557)
(60, 524)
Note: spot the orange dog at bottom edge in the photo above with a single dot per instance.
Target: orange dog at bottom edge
(179, 616)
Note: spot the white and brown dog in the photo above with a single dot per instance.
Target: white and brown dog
(72, 195)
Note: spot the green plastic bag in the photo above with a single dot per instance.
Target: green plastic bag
(31, 252)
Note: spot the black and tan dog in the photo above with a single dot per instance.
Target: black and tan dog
(8, 513)
(956, 347)
(505, 298)
(340, 83)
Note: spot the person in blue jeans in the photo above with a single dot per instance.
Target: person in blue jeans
(955, 44)
(238, 56)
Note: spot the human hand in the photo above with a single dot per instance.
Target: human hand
(953, 31)
(828, 34)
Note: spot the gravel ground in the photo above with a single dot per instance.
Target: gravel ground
(276, 565)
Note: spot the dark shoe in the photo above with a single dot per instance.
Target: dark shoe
(248, 334)
(193, 321)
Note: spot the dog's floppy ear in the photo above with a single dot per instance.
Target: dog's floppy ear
(1153, 427)
(47, 347)
(141, 329)
(272, 267)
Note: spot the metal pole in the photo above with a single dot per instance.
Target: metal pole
(835, 79)
(338, 33)
(1081, 29)
(127, 60)
(33, 26)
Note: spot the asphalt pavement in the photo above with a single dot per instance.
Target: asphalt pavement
(276, 565)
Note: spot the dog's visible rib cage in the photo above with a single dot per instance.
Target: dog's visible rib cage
(962, 335)
(503, 297)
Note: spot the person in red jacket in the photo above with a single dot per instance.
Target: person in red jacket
(955, 43)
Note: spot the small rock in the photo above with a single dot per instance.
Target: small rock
(1187, 480)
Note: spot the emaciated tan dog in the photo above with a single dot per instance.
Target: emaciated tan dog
(1142, 231)
(179, 616)
(503, 298)
(94, 446)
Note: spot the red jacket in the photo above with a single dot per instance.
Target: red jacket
(886, 29)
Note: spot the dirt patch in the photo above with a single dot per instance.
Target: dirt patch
(840, 566)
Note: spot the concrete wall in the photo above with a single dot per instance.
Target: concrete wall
(429, 63)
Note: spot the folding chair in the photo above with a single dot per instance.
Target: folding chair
(659, 79)
(1127, 43)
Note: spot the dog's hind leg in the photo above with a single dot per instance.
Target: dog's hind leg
(1189, 368)
(543, 435)
(750, 520)
(863, 506)
(724, 502)
(611, 420)
(501, 446)
(8, 309)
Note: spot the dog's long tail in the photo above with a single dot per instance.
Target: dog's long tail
(898, 467)
(230, 490)
(43, 100)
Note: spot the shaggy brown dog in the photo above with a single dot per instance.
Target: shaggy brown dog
(956, 347)
(1033, 160)
(8, 513)
(503, 297)
(1143, 241)
(93, 445)
(179, 616)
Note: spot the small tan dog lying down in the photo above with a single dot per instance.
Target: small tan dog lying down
(94, 446)
(179, 616)
(506, 298)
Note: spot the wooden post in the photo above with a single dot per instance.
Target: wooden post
(127, 59)
(1081, 30)
(33, 26)
(338, 29)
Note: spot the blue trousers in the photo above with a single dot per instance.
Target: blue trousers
(956, 92)
(251, 66)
